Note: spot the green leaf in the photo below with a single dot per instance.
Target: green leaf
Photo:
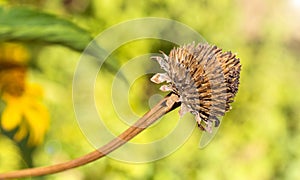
(29, 25)
(23, 24)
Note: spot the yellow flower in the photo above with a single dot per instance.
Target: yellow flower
(27, 113)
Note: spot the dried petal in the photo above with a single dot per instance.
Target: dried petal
(160, 77)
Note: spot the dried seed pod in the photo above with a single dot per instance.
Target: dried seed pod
(205, 78)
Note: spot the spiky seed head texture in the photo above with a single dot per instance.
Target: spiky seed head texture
(205, 79)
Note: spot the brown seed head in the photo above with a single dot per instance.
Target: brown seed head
(205, 78)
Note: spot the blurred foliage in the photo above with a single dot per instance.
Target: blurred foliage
(24, 24)
(258, 139)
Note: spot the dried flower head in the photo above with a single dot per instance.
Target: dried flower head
(205, 79)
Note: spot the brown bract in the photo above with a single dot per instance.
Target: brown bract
(205, 79)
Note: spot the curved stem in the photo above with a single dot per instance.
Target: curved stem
(164, 106)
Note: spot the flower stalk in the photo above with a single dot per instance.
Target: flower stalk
(166, 105)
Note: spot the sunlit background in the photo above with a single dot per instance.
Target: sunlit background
(258, 139)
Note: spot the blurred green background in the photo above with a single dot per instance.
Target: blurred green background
(258, 139)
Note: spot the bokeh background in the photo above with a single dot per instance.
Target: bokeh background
(259, 138)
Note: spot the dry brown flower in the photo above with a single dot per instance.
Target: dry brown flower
(205, 79)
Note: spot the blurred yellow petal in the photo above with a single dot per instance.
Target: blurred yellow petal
(11, 115)
(37, 117)
(34, 90)
(14, 52)
(21, 133)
